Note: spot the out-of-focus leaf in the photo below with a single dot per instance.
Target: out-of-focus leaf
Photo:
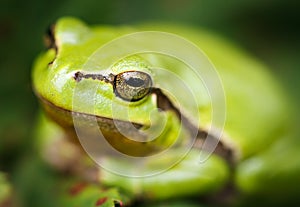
(5, 190)
(90, 195)
(175, 204)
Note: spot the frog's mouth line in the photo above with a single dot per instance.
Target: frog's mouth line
(164, 104)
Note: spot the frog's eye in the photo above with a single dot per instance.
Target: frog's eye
(132, 85)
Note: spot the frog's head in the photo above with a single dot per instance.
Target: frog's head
(68, 81)
(64, 69)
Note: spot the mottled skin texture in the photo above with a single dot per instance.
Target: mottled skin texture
(256, 110)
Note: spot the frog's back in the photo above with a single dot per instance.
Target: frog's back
(256, 106)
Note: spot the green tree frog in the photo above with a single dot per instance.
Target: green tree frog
(128, 103)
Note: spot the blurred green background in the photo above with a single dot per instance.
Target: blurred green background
(268, 29)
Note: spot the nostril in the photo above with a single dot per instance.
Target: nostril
(49, 38)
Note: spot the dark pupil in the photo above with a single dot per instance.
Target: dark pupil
(135, 82)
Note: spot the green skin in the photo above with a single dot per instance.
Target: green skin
(256, 109)
(5, 189)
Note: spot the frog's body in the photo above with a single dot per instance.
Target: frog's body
(256, 113)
